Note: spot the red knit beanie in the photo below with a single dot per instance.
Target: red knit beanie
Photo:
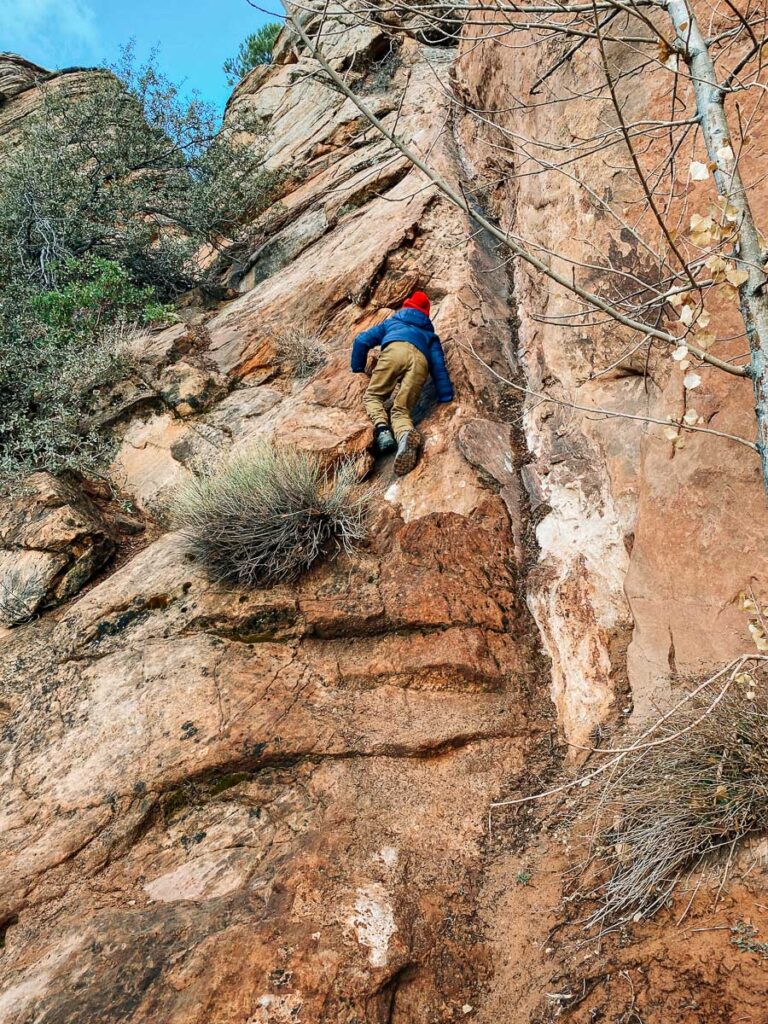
(420, 301)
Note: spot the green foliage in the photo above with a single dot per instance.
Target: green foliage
(95, 292)
(104, 205)
(130, 172)
(746, 941)
(255, 49)
(270, 513)
(59, 350)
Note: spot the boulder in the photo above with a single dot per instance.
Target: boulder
(53, 540)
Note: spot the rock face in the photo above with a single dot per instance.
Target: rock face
(52, 541)
(630, 525)
(19, 98)
(271, 806)
(17, 74)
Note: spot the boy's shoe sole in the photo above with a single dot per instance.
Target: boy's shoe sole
(408, 453)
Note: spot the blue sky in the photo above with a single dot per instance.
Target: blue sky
(195, 36)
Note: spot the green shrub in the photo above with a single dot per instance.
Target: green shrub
(270, 513)
(59, 351)
(95, 292)
(104, 206)
(129, 172)
(255, 49)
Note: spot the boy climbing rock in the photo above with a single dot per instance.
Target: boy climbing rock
(410, 351)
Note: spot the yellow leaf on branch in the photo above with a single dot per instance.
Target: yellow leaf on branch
(737, 277)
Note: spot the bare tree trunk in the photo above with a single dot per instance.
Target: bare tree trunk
(710, 97)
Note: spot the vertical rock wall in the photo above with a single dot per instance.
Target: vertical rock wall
(643, 546)
(270, 805)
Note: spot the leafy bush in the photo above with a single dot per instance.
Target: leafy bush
(303, 349)
(58, 350)
(255, 50)
(95, 292)
(699, 784)
(270, 513)
(129, 172)
(104, 205)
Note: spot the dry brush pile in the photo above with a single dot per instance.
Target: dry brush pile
(694, 784)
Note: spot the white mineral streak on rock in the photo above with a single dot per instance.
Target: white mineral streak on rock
(578, 602)
(374, 922)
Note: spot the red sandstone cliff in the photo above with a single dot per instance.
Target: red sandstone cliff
(273, 806)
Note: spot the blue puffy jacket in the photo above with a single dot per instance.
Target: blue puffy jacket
(415, 327)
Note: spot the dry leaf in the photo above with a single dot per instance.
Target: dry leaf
(691, 380)
(679, 442)
(744, 678)
(671, 433)
(731, 212)
(623, 852)
(725, 153)
(704, 339)
(717, 265)
(703, 320)
(698, 171)
(686, 316)
(737, 277)
(690, 417)
(680, 353)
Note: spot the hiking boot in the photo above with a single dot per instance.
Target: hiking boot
(383, 440)
(408, 451)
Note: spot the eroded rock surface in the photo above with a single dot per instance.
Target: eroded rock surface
(271, 806)
(52, 539)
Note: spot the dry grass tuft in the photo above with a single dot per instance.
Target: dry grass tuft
(303, 349)
(270, 513)
(699, 785)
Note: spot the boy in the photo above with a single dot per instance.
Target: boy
(410, 351)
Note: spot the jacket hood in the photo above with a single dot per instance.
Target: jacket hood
(413, 316)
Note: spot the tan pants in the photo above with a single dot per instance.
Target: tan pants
(399, 363)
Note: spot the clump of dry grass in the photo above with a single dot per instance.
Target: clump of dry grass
(698, 784)
(303, 350)
(271, 512)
